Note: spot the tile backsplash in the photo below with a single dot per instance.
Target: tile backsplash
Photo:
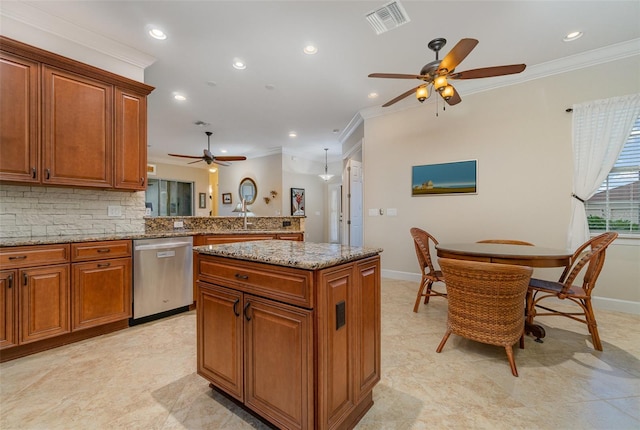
(27, 211)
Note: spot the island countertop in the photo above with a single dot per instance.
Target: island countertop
(301, 255)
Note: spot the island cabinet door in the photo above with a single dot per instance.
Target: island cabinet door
(279, 362)
(220, 337)
(367, 292)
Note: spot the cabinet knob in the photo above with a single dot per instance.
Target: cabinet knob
(10, 281)
(243, 277)
(25, 278)
(104, 264)
(141, 181)
(17, 257)
(246, 308)
(33, 172)
(103, 250)
(47, 173)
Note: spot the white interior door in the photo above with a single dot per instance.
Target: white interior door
(356, 237)
(335, 212)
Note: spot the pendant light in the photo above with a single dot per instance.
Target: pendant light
(326, 175)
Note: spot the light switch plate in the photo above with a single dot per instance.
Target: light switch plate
(178, 224)
(373, 212)
(114, 210)
(392, 212)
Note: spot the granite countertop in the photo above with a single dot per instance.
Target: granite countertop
(49, 240)
(301, 255)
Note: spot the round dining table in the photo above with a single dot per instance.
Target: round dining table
(521, 255)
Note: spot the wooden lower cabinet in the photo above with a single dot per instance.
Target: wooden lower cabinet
(101, 292)
(297, 367)
(56, 294)
(8, 308)
(44, 302)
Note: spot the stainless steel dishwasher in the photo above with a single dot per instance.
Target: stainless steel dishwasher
(162, 277)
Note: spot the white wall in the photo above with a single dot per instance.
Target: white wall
(521, 137)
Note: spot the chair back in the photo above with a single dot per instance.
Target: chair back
(590, 258)
(486, 300)
(422, 241)
(506, 242)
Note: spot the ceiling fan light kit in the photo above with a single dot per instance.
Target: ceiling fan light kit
(438, 73)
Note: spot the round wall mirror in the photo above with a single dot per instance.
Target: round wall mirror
(248, 190)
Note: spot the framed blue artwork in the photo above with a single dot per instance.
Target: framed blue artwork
(460, 177)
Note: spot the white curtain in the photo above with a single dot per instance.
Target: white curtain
(600, 130)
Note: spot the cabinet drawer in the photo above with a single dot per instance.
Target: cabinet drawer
(100, 250)
(36, 255)
(284, 284)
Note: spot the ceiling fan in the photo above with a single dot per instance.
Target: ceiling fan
(209, 157)
(437, 73)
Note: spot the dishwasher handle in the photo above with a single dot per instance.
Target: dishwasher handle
(162, 246)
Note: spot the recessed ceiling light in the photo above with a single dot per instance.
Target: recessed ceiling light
(179, 97)
(573, 36)
(211, 83)
(156, 33)
(224, 151)
(336, 130)
(239, 64)
(213, 170)
(373, 95)
(310, 50)
(293, 134)
(270, 87)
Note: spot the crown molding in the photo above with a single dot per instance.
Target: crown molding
(38, 19)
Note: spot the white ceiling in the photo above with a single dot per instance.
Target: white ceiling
(315, 95)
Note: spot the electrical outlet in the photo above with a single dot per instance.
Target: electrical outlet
(392, 212)
(178, 224)
(286, 223)
(114, 210)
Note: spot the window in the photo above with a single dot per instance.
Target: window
(169, 198)
(616, 205)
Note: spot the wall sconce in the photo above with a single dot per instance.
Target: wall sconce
(274, 193)
(267, 200)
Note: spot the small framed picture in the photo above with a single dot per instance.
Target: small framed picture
(226, 198)
(297, 201)
(202, 204)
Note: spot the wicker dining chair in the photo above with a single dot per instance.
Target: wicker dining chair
(588, 258)
(486, 303)
(422, 241)
(506, 242)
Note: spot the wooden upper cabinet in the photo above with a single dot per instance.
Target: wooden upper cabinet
(77, 130)
(66, 123)
(19, 119)
(130, 140)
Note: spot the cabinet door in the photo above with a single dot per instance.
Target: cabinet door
(101, 292)
(44, 302)
(8, 308)
(77, 130)
(368, 330)
(130, 141)
(19, 107)
(279, 362)
(220, 337)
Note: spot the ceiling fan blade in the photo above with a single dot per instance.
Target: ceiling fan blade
(454, 99)
(487, 72)
(394, 76)
(221, 163)
(185, 156)
(229, 158)
(401, 96)
(457, 54)
(197, 161)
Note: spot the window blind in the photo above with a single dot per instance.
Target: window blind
(616, 205)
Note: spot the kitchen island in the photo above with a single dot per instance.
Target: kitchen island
(291, 329)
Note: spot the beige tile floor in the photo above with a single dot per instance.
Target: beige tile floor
(144, 378)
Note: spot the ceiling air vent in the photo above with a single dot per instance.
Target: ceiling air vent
(388, 17)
